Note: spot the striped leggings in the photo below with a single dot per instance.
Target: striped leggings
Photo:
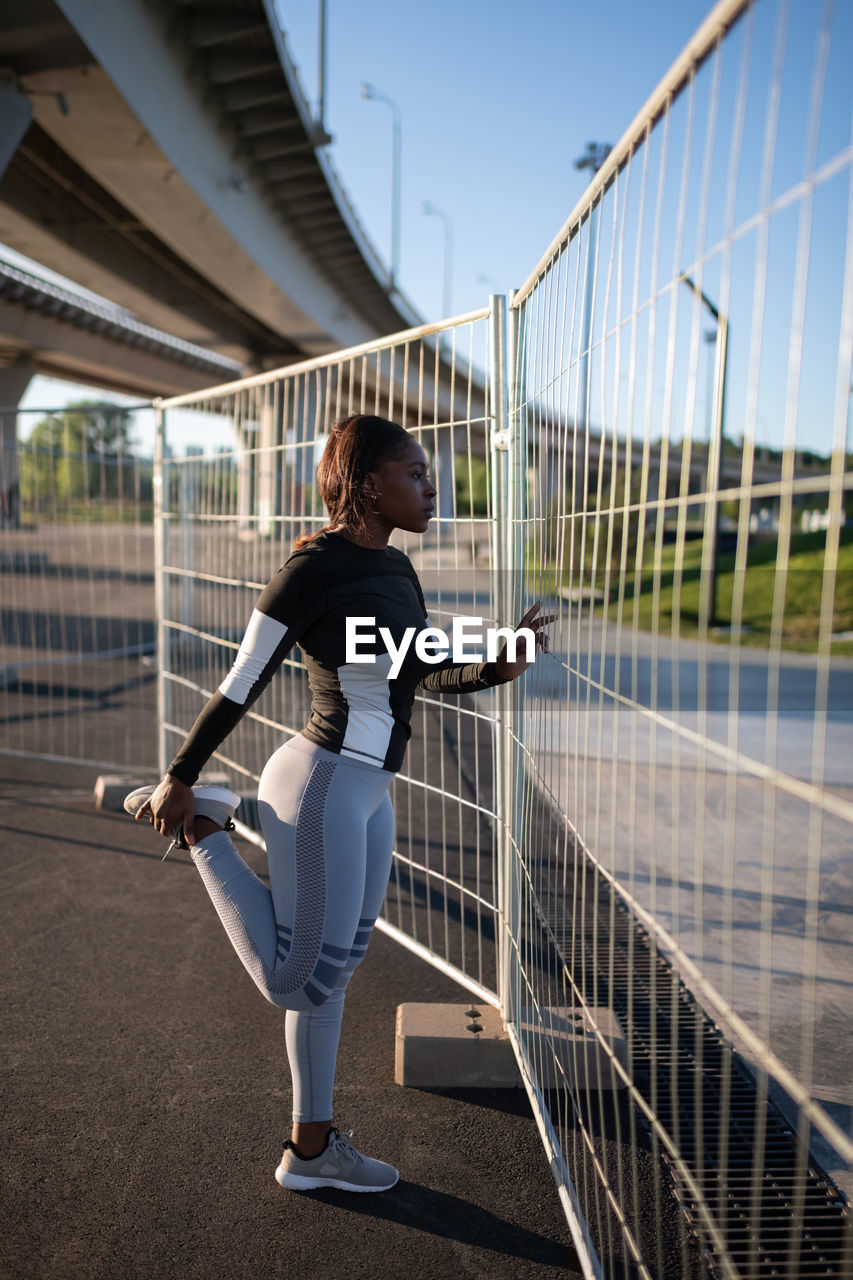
(329, 829)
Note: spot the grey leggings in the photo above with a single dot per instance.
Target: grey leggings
(329, 830)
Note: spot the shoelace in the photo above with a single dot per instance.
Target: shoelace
(342, 1141)
(178, 841)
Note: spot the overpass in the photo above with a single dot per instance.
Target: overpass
(162, 154)
(48, 329)
(230, 231)
(60, 333)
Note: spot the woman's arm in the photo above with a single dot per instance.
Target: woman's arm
(450, 677)
(287, 606)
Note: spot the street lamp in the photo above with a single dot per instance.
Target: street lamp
(320, 135)
(715, 444)
(594, 157)
(373, 95)
(430, 209)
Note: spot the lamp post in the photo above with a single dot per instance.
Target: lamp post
(594, 157)
(321, 137)
(446, 293)
(373, 95)
(715, 445)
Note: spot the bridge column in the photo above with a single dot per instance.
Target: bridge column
(278, 478)
(14, 380)
(445, 500)
(248, 438)
(303, 425)
(270, 467)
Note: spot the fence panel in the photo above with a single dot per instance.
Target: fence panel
(641, 851)
(78, 634)
(679, 765)
(228, 522)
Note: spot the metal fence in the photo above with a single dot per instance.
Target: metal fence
(227, 522)
(77, 616)
(641, 851)
(680, 766)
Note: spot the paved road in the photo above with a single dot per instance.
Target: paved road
(147, 1093)
(146, 1084)
(147, 1099)
(753, 880)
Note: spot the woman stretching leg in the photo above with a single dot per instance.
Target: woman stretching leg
(323, 798)
(302, 940)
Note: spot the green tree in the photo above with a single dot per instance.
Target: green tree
(559, 535)
(472, 486)
(82, 455)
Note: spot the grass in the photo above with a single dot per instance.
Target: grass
(758, 585)
(94, 512)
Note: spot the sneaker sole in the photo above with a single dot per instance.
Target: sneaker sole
(133, 801)
(296, 1182)
(222, 795)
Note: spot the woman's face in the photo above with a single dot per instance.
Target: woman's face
(406, 492)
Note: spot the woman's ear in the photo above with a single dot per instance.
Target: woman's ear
(370, 488)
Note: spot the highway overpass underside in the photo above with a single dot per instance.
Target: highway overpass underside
(172, 166)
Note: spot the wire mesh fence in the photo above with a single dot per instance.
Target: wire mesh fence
(680, 763)
(641, 850)
(228, 522)
(78, 634)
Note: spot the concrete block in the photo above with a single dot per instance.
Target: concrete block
(566, 1051)
(436, 1049)
(111, 788)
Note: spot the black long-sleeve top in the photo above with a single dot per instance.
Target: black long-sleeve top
(357, 710)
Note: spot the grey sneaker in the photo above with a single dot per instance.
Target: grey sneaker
(215, 803)
(340, 1165)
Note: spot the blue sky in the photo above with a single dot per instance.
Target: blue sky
(497, 99)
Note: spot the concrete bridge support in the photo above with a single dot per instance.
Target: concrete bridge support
(14, 380)
(443, 472)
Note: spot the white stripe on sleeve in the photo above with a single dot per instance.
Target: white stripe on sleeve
(262, 638)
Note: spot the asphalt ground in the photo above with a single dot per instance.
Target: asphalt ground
(147, 1093)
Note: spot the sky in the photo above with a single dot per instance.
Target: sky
(497, 99)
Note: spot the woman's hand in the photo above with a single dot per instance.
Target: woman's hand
(511, 670)
(172, 803)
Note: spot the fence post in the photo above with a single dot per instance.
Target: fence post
(509, 489)
(514, 982)
(499, 469)
(516, 517)
(161, 503)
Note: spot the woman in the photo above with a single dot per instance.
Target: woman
(323, 800)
